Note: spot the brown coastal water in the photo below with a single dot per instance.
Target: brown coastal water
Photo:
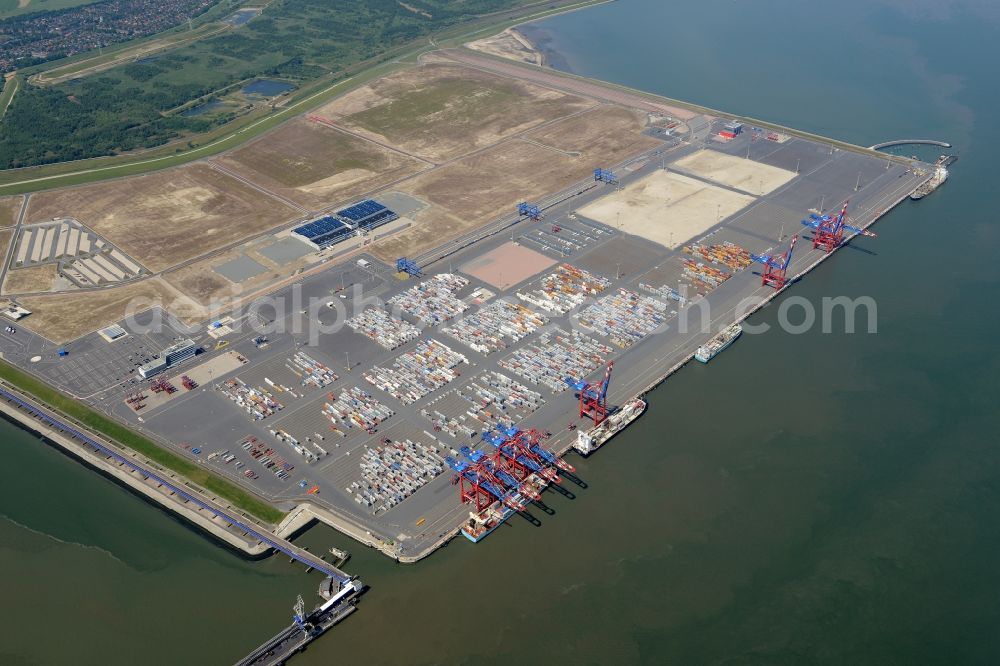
(802, 499)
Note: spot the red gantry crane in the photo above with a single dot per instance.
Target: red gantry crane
(593, 400)
(828, 233)
(775, 267)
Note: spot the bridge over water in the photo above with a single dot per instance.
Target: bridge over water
(904, 142)
(277, 543)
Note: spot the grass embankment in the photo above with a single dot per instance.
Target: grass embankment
(10, 88)
(126, 53)
(122, 435)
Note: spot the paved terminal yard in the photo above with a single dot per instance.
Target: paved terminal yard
(361, 423)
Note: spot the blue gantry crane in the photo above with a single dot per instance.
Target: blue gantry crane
(529, 210)
(408, 266)
(605, 176)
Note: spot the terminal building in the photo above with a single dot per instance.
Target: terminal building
(170, 357)
(352, 221)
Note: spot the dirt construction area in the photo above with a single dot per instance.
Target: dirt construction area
(442, 111)
(508, 44)
(605, 136)
(747, 175)
(666, 208)
(65, 317)
(317, 166)
(477, 189)
(166, 217)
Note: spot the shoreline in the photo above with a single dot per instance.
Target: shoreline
(304, 513)
(157, 496)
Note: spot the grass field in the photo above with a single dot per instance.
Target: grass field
(116, 432)
(316, 166)
(9, 207)
(238, 132)
(67, 316)
(164, 218)
(442, 111)
(10, 8)
(303, 41)
(11, 87)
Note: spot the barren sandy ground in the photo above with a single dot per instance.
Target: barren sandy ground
(508, 44)
(442, 111)
(605, 135)
(28, 280)
(317, 166)
(507, 265)
(5, 236)
(746, 175)
(167, 217)
(9, 207)
(65, 317)
(666, 208)
(202, 283)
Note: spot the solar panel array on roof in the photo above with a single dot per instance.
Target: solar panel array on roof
(368, 214)
(360, 211)
(325, 231)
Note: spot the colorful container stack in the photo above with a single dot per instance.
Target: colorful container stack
(625, 318)
(416, 373)
(432, 301)
(728, 254)
(392, 471)
(567, 288)
(256, 402)
(355, 408)
(704, 278)
(313, 373)
(495, 326)
(555, 356)
(388, 331)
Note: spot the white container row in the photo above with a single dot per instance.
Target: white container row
(497, 399)
(313, 372)
(625, 317)
(429, 366)
(393, 471)
(383, 328)
(665, 292)
(456, 427)
(432, 301)
(495, 326)
(555, 356)
(355, 408)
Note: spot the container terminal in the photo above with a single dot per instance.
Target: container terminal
(381, 425)
(462, 378)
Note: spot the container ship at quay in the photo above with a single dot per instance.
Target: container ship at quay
(589, 441)
(710, 349)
